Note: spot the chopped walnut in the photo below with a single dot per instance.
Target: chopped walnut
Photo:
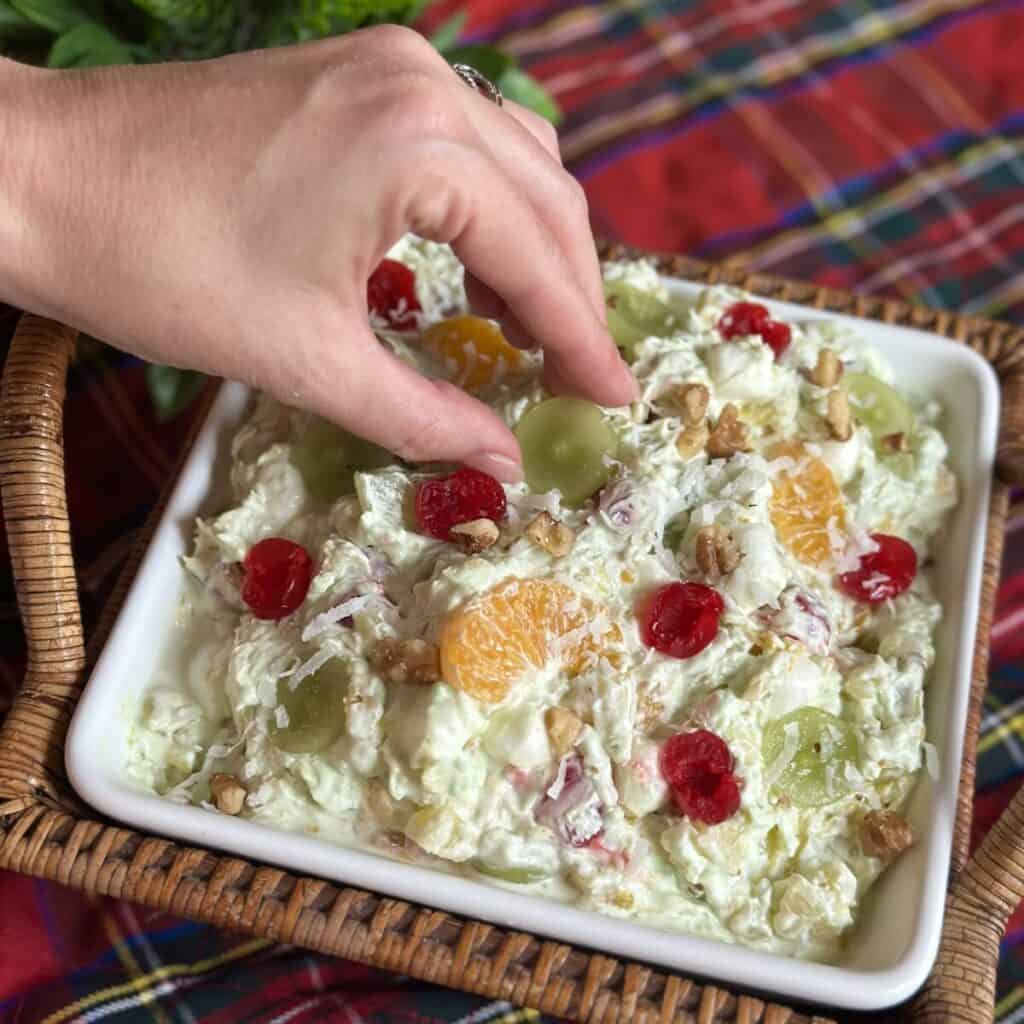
(408, 661)
(827, 370)
(381, 804)
(692, 440)
(730, 435)
(475, 536)
(895, 443)
(884, 834)
(563, 729)
(692, 400)
(549, 534)
(717, 554)
(649, 711)
(228, 793)
(840, 423)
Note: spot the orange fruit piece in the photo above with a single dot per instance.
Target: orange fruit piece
(805, 501)
(518, 625)
(474, 349)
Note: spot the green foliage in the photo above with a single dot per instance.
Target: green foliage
(87, 46)
(13, 24)
(524, 89)
(53, 15)
(446, 35)
(171, 389)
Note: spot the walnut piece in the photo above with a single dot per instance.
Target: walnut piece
(228, 793)
(717, 554)
(550, 535)
(692, 440)
(408, 661)
(895, 443)
(837, 416)
(475, 536)
(730, 435)
(827, 370)
(563, 728)
(692, 400)
(884, 834)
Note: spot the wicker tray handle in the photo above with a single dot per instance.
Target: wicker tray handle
(35, 510)
(39, 539)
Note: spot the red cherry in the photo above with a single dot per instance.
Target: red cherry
(742, 319)
(465, 495)
(681, 619)
(777, 336)
(391, 294)
(698, 768)
(881, 574)
(277, 576)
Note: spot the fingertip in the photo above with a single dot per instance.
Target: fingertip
(501, 467)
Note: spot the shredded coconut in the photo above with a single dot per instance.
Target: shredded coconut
(322, 622)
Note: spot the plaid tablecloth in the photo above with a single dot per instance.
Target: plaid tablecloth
(873, 146)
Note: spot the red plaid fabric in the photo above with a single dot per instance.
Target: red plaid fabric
(877, 146)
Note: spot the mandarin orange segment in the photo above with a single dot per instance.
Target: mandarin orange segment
(474, 349)
(807, 506)
(518, 625)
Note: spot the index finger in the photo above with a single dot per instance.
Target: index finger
(506, 246)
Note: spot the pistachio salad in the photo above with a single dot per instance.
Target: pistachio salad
(677, 675)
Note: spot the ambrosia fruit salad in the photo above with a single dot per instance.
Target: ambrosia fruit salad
(677, 675)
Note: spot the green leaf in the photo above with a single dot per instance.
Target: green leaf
(171, 389)
(447, 33)
(12, 22)
(294, 21)
(486, 59)
(56, 15)
(88, 46)
(521, 87)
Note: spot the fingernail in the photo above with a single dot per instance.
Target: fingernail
(500, 466)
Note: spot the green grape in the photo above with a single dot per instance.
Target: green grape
(327, 457)
(634, 315)
(877, 405)
(565, 444)
(823, 741)
(315, 713)
(884, 413)
(518, 876)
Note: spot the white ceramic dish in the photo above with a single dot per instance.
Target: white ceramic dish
(895, 941)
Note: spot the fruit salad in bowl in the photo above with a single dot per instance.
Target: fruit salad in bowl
(678, 674)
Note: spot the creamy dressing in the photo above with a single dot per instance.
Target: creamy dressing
(428, 774)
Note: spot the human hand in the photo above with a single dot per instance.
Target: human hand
(226, 216)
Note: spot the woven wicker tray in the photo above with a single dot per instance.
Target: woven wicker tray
(47, 832)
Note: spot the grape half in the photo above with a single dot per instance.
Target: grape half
(823, 742)
(566, 443)
(518, 876)
(884, 413)
(634, 315)
(328, 456)
(877, 405)
(315, 712)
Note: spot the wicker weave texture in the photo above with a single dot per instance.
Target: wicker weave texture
(45, 831)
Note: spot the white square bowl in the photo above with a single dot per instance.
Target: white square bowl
(896, 939)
